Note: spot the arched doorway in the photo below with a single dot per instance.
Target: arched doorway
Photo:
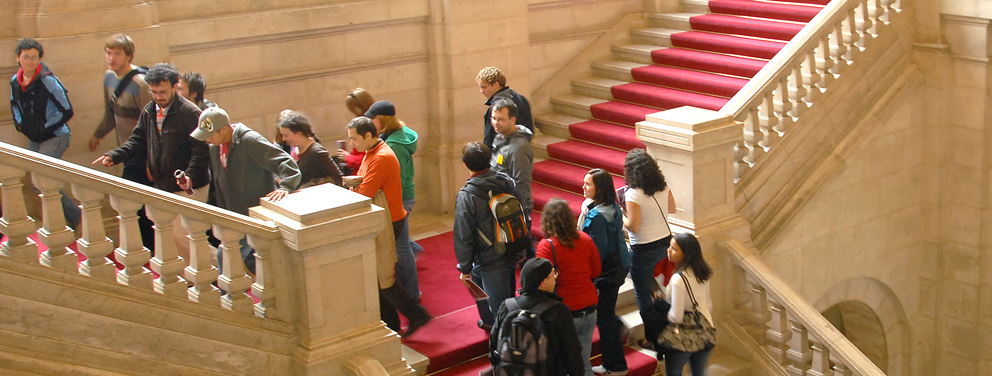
(859, 323)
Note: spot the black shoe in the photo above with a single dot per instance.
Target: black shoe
(414, 326)
(483, 326)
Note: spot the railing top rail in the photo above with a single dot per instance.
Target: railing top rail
(784, 61)
(800, 309)
(71, 173)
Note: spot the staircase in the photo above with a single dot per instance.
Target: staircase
(699, 58)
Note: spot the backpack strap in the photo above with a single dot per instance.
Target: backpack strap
(512, 305)
(128, 78)
(540, 308)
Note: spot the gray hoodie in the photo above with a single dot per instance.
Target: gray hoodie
(513, 156)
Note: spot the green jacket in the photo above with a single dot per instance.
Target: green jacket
(404, 144)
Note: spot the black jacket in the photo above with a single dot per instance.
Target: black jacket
(472, 214)
(564, 349)
(523, 113)
(171, 149)
(42, 107)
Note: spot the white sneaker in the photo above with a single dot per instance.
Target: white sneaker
(600, 370)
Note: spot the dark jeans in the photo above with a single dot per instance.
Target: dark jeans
(674, 361)
(499, 284)
(610, 326)
(396, 298)
(643, 259)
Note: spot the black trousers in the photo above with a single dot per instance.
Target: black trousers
(395, 298)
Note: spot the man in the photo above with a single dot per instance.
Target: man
(537, 286)
(512, 154)
(40, 106)
(492, 84)
(240, 185)
(192, 86)
(162, 138)
(474, 219)
(380, 170)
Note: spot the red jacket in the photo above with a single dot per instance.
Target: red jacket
(577, 267)
(381, 170)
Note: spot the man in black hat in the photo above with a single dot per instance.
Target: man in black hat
(537, 286)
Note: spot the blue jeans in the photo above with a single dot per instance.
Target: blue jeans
(643, 259)
(406, 264)
(610, 327)
(499, 284)
(584, 324)
(247, 255)
(55, 147)
(408, 206)
(674, 362)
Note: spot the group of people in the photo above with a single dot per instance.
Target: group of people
(171, 138)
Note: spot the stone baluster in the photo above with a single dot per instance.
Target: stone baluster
(166, 262)
(201, 270)
(785, 96)
(799, 354)
(53, 233)
(264, 286)
(799, 105)
(753, 136)
(741, 151)
(771, 121)
(233, 279)
(131, 252)
(821, 359)
(838, 367)
(841, 53)
(827, 62)
(882, 10)
(867, 24)
(778, 332)
(15, 222)
(815, 86)
(741, 295)
(94, 243)
(759, 314)
(856, 39)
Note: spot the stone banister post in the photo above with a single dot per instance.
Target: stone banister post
(331, 291)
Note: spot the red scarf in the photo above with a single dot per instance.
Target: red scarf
(20, 75)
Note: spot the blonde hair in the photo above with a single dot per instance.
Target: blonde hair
(359, 101)
(389, 123)
(491, 75)
(122, 42)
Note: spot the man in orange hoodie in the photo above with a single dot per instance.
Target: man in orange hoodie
(380, 170)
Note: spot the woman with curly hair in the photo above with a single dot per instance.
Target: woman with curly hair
(647, 203)
(576, 258)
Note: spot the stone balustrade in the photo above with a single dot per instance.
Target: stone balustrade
(198, 282)
(787, 328)
(790, 83)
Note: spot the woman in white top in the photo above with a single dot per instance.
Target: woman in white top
(646, 203)
(691, 268)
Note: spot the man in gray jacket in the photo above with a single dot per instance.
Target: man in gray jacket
(512, 154)
(243, 164)
(474, 219)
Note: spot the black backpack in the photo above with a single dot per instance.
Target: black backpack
(522, 344)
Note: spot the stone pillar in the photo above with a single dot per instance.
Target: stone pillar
(694, 148)
(328, 234)
(463, 38)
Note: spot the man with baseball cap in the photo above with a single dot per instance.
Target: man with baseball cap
(243, 164)
(537, 285)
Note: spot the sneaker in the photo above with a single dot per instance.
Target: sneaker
(600, 370)
(414, 326)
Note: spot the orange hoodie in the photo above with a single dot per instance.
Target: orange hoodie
(381, 170)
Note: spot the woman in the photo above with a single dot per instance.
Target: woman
(602, 219)
(575, 256)
(358, 101)
(647, 203)
(403, 141)
(314, 161)
(692, 272)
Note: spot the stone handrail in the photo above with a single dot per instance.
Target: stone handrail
(90, 187)
(778, 95)
(792, 331)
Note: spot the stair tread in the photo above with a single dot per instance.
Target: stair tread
(558, 118)
(613, 135)
(782, 11)
(564, 176)
(621, 113)
(658, 31)
(708, 61)
(666, 98)
(735, 25)
(757, 48)
(586, 154)
(543, 193)
(577, 99)
(679, 78)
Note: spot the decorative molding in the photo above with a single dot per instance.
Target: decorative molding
(565, 4)
(551, 38)
(966, 20)
(296, 76)
(292, 35)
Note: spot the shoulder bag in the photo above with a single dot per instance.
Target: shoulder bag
(694, 334)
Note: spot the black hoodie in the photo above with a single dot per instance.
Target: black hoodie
(472, 214)
(42, 107)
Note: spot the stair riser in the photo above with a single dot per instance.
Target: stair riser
(571, 109)
(637, 56)
(669, 22)
(613, 73)
(592, 90)
(552, 128)
(664, 40)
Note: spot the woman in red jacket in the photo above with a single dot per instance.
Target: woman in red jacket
(576, 258)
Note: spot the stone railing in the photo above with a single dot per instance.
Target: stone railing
(174, 277)
(778, 95)
(783, 325)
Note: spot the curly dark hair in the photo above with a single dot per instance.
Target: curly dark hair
(558, 222)
(162, 72)
(692, 257)
(641, 171)
(27, 44)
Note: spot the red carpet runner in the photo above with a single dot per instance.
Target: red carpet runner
(704, 67)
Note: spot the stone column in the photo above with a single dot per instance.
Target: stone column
(463, 38)
(694, 148)
(328, 236)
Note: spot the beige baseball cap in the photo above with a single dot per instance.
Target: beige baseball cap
(212, 120)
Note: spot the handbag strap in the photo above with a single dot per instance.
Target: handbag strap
(553, 255)
(663, 216)
(688, 287)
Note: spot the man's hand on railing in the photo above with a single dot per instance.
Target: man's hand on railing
(105, 160)
(277, 194)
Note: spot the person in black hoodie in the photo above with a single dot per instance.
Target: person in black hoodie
(492, 85)
(474, 219)
(40, 106)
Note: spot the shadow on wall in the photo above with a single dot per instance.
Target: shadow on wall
(860, 325)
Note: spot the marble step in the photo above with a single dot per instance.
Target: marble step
(575, 105)
(696, 6)
(615, 69)
(556, 124)
(540, 146)
(638, 53)
(656, 36)
(596, 87)
(678, 21)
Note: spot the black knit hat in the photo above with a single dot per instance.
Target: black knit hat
(534, 272)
